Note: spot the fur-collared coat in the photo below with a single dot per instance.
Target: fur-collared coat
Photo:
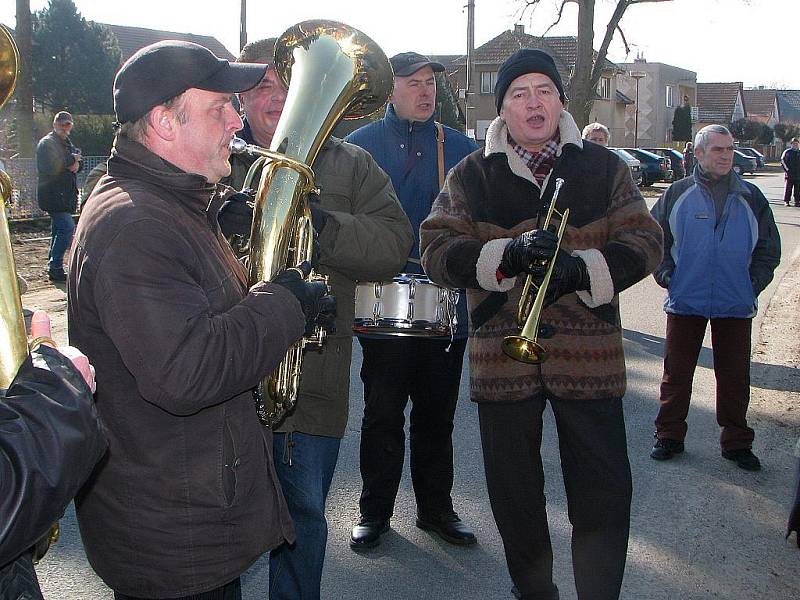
(492, 197)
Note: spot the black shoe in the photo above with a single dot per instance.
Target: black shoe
(367, 534)
(744, 459)
(59, 276)
(450, 528)
(664, 449)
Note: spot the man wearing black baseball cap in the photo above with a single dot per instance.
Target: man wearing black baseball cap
(188, 497)
(485, 234)
(428, 371)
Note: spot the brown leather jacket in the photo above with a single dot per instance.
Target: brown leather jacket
(187, 497)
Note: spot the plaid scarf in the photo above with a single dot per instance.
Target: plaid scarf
(540, 163)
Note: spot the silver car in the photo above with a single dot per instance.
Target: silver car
(633, 164)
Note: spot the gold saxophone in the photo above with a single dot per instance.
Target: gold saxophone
(13, 339)
(335, 71)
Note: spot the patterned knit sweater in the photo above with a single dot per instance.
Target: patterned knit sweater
(491, 197)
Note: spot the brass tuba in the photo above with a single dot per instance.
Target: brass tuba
(13, 340)
(525, 347)
(335, 71)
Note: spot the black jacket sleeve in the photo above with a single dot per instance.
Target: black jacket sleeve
(50, 440)
(767, 253)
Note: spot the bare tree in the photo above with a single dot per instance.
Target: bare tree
(588, 66)
(24, 93)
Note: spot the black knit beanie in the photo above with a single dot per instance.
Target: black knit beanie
(523, 61)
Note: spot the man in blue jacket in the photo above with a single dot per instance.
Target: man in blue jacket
(721, 247)
(404, 144)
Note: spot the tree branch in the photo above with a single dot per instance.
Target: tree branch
(558, 18)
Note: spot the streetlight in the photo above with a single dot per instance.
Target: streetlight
(637, 75)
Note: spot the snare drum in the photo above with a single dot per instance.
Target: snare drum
(409, 305)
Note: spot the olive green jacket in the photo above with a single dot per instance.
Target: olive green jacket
(367, 237)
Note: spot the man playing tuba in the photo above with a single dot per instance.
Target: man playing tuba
(363, 234)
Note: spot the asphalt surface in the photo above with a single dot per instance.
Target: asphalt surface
(701, 528)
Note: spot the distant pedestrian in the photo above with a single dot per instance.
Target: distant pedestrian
(790, 161)
(597, 133)
(688, 158)
(57, 161)
(721, 247)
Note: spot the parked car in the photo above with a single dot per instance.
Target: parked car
(633, 163)
(753, 153)
(675, 161)
(743, 163)
(654, 167)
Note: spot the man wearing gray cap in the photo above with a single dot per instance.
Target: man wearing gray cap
(187, 497)
(484, 234)
(57, 162)
(417, 153)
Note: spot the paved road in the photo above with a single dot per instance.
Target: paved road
(700, 528)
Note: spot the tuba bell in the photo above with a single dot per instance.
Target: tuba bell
(335, 72)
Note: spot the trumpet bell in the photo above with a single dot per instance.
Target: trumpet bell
(524, 350)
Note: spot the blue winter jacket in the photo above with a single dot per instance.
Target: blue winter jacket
(716, 269)
(406, 150)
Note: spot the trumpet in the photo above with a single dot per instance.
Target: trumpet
(525, 347)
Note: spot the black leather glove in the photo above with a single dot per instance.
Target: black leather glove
(569, 275)
(235, 216)
(318, 306)
(521, 253)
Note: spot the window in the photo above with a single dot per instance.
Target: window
(604, 88)
(670, 99)
(488, 80)
(480, 128)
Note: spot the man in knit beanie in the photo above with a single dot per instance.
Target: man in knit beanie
(485, 233)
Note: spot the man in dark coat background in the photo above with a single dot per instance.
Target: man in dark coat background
(57, 162)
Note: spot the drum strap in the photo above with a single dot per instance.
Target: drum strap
(440, 151)
(490, 306)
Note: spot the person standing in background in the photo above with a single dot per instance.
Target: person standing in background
(57, 162)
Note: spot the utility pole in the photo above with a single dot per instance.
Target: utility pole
(470, 50)
(243, 26)
(637, 75)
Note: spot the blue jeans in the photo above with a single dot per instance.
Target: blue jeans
(61, 228)
(305, 465)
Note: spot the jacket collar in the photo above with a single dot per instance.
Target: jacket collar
(497, 143)
(402, 126)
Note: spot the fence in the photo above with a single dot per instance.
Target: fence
(23, 204)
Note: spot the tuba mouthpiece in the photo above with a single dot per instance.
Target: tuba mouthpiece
(237, 146)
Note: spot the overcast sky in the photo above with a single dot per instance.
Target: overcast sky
(753, 41)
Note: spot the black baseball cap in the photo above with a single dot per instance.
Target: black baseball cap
(166, 69)
(408, 63)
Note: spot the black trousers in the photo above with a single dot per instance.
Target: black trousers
(597, 478)
(393, 371)
(792, 184)
(230, 591)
